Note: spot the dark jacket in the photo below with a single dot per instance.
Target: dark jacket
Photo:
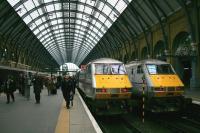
(37, 84)
(67, 85)
(9, 86)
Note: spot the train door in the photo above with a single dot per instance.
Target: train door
(89, 90)
(139, 78)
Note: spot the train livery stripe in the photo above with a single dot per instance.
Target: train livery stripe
(165, 80)
(112, 81)
(63, 120)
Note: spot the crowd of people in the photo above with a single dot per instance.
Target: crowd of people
(24, 82)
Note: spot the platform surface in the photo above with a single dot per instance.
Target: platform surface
(50, 116)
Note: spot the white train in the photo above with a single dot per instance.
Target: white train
(163, 89)
(106, 86)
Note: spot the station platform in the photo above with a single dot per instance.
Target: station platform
(50, 116)
(194, 94)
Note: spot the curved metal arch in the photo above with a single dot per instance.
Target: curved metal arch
(77, 2)
(60, 11)
(51, 41)
(17, 30)
(154, 10)
(90, 43)
(77, 46)
(50, 3)
(67, 40)
(36, 47)
(36, 55)
(59, 33)
(70, 45)
(74, 46)
(52, 52)
(55, 56)
(58, 18)
(83, 55)
(45, 44)
(158, 47)
(92, 6)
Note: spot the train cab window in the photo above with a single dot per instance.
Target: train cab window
(98, 68)
(109, 69)
(102, 69)
(139, 70)
(117, 69)
(160, 69)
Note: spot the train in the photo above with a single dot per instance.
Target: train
(158, 83)
(16, 74)
(106, 87)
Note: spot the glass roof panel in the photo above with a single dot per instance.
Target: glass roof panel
(60, 24)
(29, 5)
(106, 10)
(50, 8)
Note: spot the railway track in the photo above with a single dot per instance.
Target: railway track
(116, 124)
(188, 122)
(178, 124)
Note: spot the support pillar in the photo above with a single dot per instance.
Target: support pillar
(195, 80)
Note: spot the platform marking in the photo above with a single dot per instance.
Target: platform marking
(94, 123)
(196, 102)
(63, 120)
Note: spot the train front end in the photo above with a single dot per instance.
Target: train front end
(165, 89)
(113, 88)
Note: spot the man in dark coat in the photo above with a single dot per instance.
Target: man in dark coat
(66, 87)
(37, 85)
(10, 88)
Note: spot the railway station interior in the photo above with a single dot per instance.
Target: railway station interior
(59, 37)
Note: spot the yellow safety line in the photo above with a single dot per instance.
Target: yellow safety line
(63, 120)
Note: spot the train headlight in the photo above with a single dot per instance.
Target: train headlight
(179, 88)
(104, 90)
(101, 90)
(124, 90)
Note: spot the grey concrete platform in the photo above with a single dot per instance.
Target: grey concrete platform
(79, 119)
(24, 116)
(194, 94)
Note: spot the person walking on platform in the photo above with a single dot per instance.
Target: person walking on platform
(47, 84)
(72, 93)
(27, 85)
(74, 84)
(9, 89)
(37, 86)
(66, 87)
(22, 84)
